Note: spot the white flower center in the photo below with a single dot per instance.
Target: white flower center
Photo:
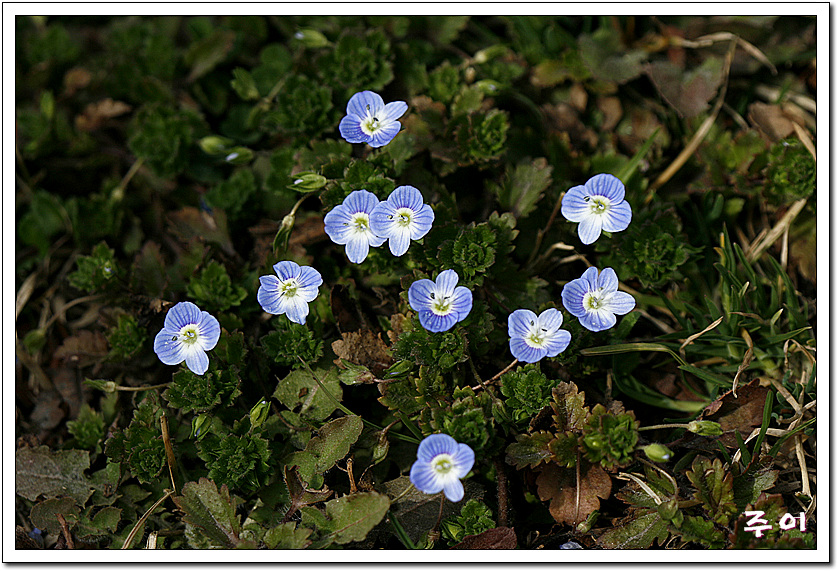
(370, 125)
(361, 222)
(441, 305)
(403, 216)
(442, 464)
(598, 204)
(537, 336)
(188, 334)
(288, 288)
(594, 300)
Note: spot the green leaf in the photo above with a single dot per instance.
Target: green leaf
(333, 441)
(301, 393)
(208, 52)
(44, 514)
(52, 473)
(103, 523)
(713, 488)
(637, 533)
(524, 186)
(212, 510)
(351, 518)
(287, 536)
(701, 531)
(244, 85)
(530, 450)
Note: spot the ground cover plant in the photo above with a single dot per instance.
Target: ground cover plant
(415, 283)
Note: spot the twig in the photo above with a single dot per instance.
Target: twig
(141, 521)
(170, 452)
(578, 488)
(65, 530)
(695, 336)
(503, 507)
(758, 247)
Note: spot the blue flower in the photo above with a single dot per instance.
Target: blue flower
(291, 292)
(187, 334)
(597, 206)
(594, 299)
(533, 337)
(401, 218)
(442, 304)
(369, 121)
(440, 464)
(349, 223)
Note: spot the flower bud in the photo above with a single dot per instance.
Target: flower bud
(101, 384)
(215, 145)
(489, 53)
(307, 182)
(657, 452)
(200, 426)
(259, 413)
(488, 86)
(284, 233)
(311, 38)
(239, 156)
(705, 427)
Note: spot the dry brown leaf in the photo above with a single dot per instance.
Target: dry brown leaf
(96, 113)
(83, 349)
(612, 112)
(497, 538)
(363, 348)
(559, 486)
(770, 120)
(742, 413)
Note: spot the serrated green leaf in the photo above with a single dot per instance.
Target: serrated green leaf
(301, 393)
(333, 441)
(104, 522)
(351, 518)
(44, 514)
(701, 531)
(713, 488)
(288, 536)
(212, 510)
(60, 473)
(638, 533)
(529, 450)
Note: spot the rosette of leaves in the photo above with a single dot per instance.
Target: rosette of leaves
(436, 351)
(200, 393)
(126, 338)
(292, 342)
(475, 518)
(470, 254)
(527, 391)
(164, 137)
(468, 419)
(140, 445)
(241, 461)
(358, 62)
(95, 271)
(214, 290)
(651, 250)
(303, 107)
(790, 174)
(481, 137)
(231, 194)
(444, 82)
(88, 428)
(609, 438)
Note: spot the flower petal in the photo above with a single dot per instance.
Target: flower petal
(621, 303)
(437, 323)
(446, 281)
(406, 197)
(287, 270)
(381, 219)
(590, 227)
(169, 351)
(309, 277)
(421, 222)
(337, 224)
(453, 490)
(350, 129)
(607, 280)
(399, 240)
(523, 352)
(392, 111)
(557, 343)
(573, 294)
(419, 294)
(357, 248)
(607, 185)
(182, 314)
(296, 309)
(360, 201)
(384, 134)
(519, 322)
(209, 331)
(269, 295)
(550, 319)
(461, 302)
(590, 276)
(598, 320)
(617, 218)
(365, 103)
(197, 361)
(434, 445)
(463, 460)
(574, 205)
(424, 478)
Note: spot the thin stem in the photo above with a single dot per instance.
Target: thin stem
(502, 493)
(506, 370)
(656, 426)
(541, 233)
(138, 389)
(140, 522)
(128, 176)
